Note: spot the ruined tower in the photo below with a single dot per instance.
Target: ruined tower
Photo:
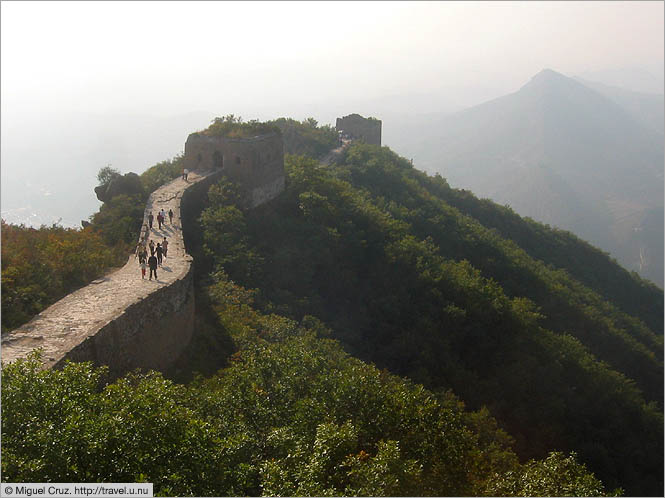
(255, 162)
(360, 128)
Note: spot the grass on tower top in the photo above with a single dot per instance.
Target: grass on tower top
(234, 127)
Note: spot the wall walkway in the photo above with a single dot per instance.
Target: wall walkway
(121, 320)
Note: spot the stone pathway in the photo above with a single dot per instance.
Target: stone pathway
(82, 313)
(331, 156)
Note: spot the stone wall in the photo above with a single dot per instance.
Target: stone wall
(358, 127)
(256, 163)
(125, 322)
(121, 320)
(152, 333)
(149, 335)
(266, 192)
(194, 200)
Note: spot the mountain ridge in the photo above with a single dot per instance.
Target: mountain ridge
(405, 280)
(557, 142)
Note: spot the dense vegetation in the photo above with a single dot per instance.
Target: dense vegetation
(568, 306)
(554, 349)
(234, 127)
(41, 266)
(590, 266)
(300, 137)
(306, 137)
(119, 219)
(293, 415)
(407, 281)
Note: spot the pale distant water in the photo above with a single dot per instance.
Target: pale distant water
(52, 179)
(35, 219)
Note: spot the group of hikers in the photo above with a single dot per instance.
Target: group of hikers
(161, 218)
(157, 256)
(158, 251)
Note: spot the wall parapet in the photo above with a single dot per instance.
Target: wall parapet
(149, 334)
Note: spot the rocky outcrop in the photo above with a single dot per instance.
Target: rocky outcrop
(125, 184)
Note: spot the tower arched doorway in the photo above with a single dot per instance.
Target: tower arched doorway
(217, 160)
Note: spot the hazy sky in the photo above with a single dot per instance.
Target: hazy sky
(172, 57)
(72, 73)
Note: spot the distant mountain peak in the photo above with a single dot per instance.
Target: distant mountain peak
(548, 73)
(555, 86)
(603, 157)
(547, 77)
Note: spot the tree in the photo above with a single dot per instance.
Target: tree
(106, 174)
(557, 475)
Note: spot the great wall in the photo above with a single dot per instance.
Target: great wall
(126, 322)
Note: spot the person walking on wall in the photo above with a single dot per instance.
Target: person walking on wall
(185, 172)
(159, 252)
(143, 255)
(165, 247)
(159, 220)
(171, 216)
(163, 213)
(142, 265)
(144, 235)
(152, 247)
(152, 263)
(150, 218)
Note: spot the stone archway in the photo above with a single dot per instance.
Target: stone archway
(217, 160)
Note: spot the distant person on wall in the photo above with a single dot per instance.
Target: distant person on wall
(165, 247)
(163, 213)
(150, 218)
(160, 253)
(152, 263)
(159, 220)
(185, 172)
(152, 247)
(171, 216)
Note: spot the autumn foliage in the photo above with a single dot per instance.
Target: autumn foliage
(40, 266)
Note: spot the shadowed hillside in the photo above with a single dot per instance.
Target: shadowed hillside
(470, 299)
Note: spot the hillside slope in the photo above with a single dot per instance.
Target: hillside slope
(566, 155)
(409, 281)
(646, 108)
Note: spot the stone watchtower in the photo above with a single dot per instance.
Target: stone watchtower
(255, 162)
(357, 127)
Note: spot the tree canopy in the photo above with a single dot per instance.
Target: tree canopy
(413, 284)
